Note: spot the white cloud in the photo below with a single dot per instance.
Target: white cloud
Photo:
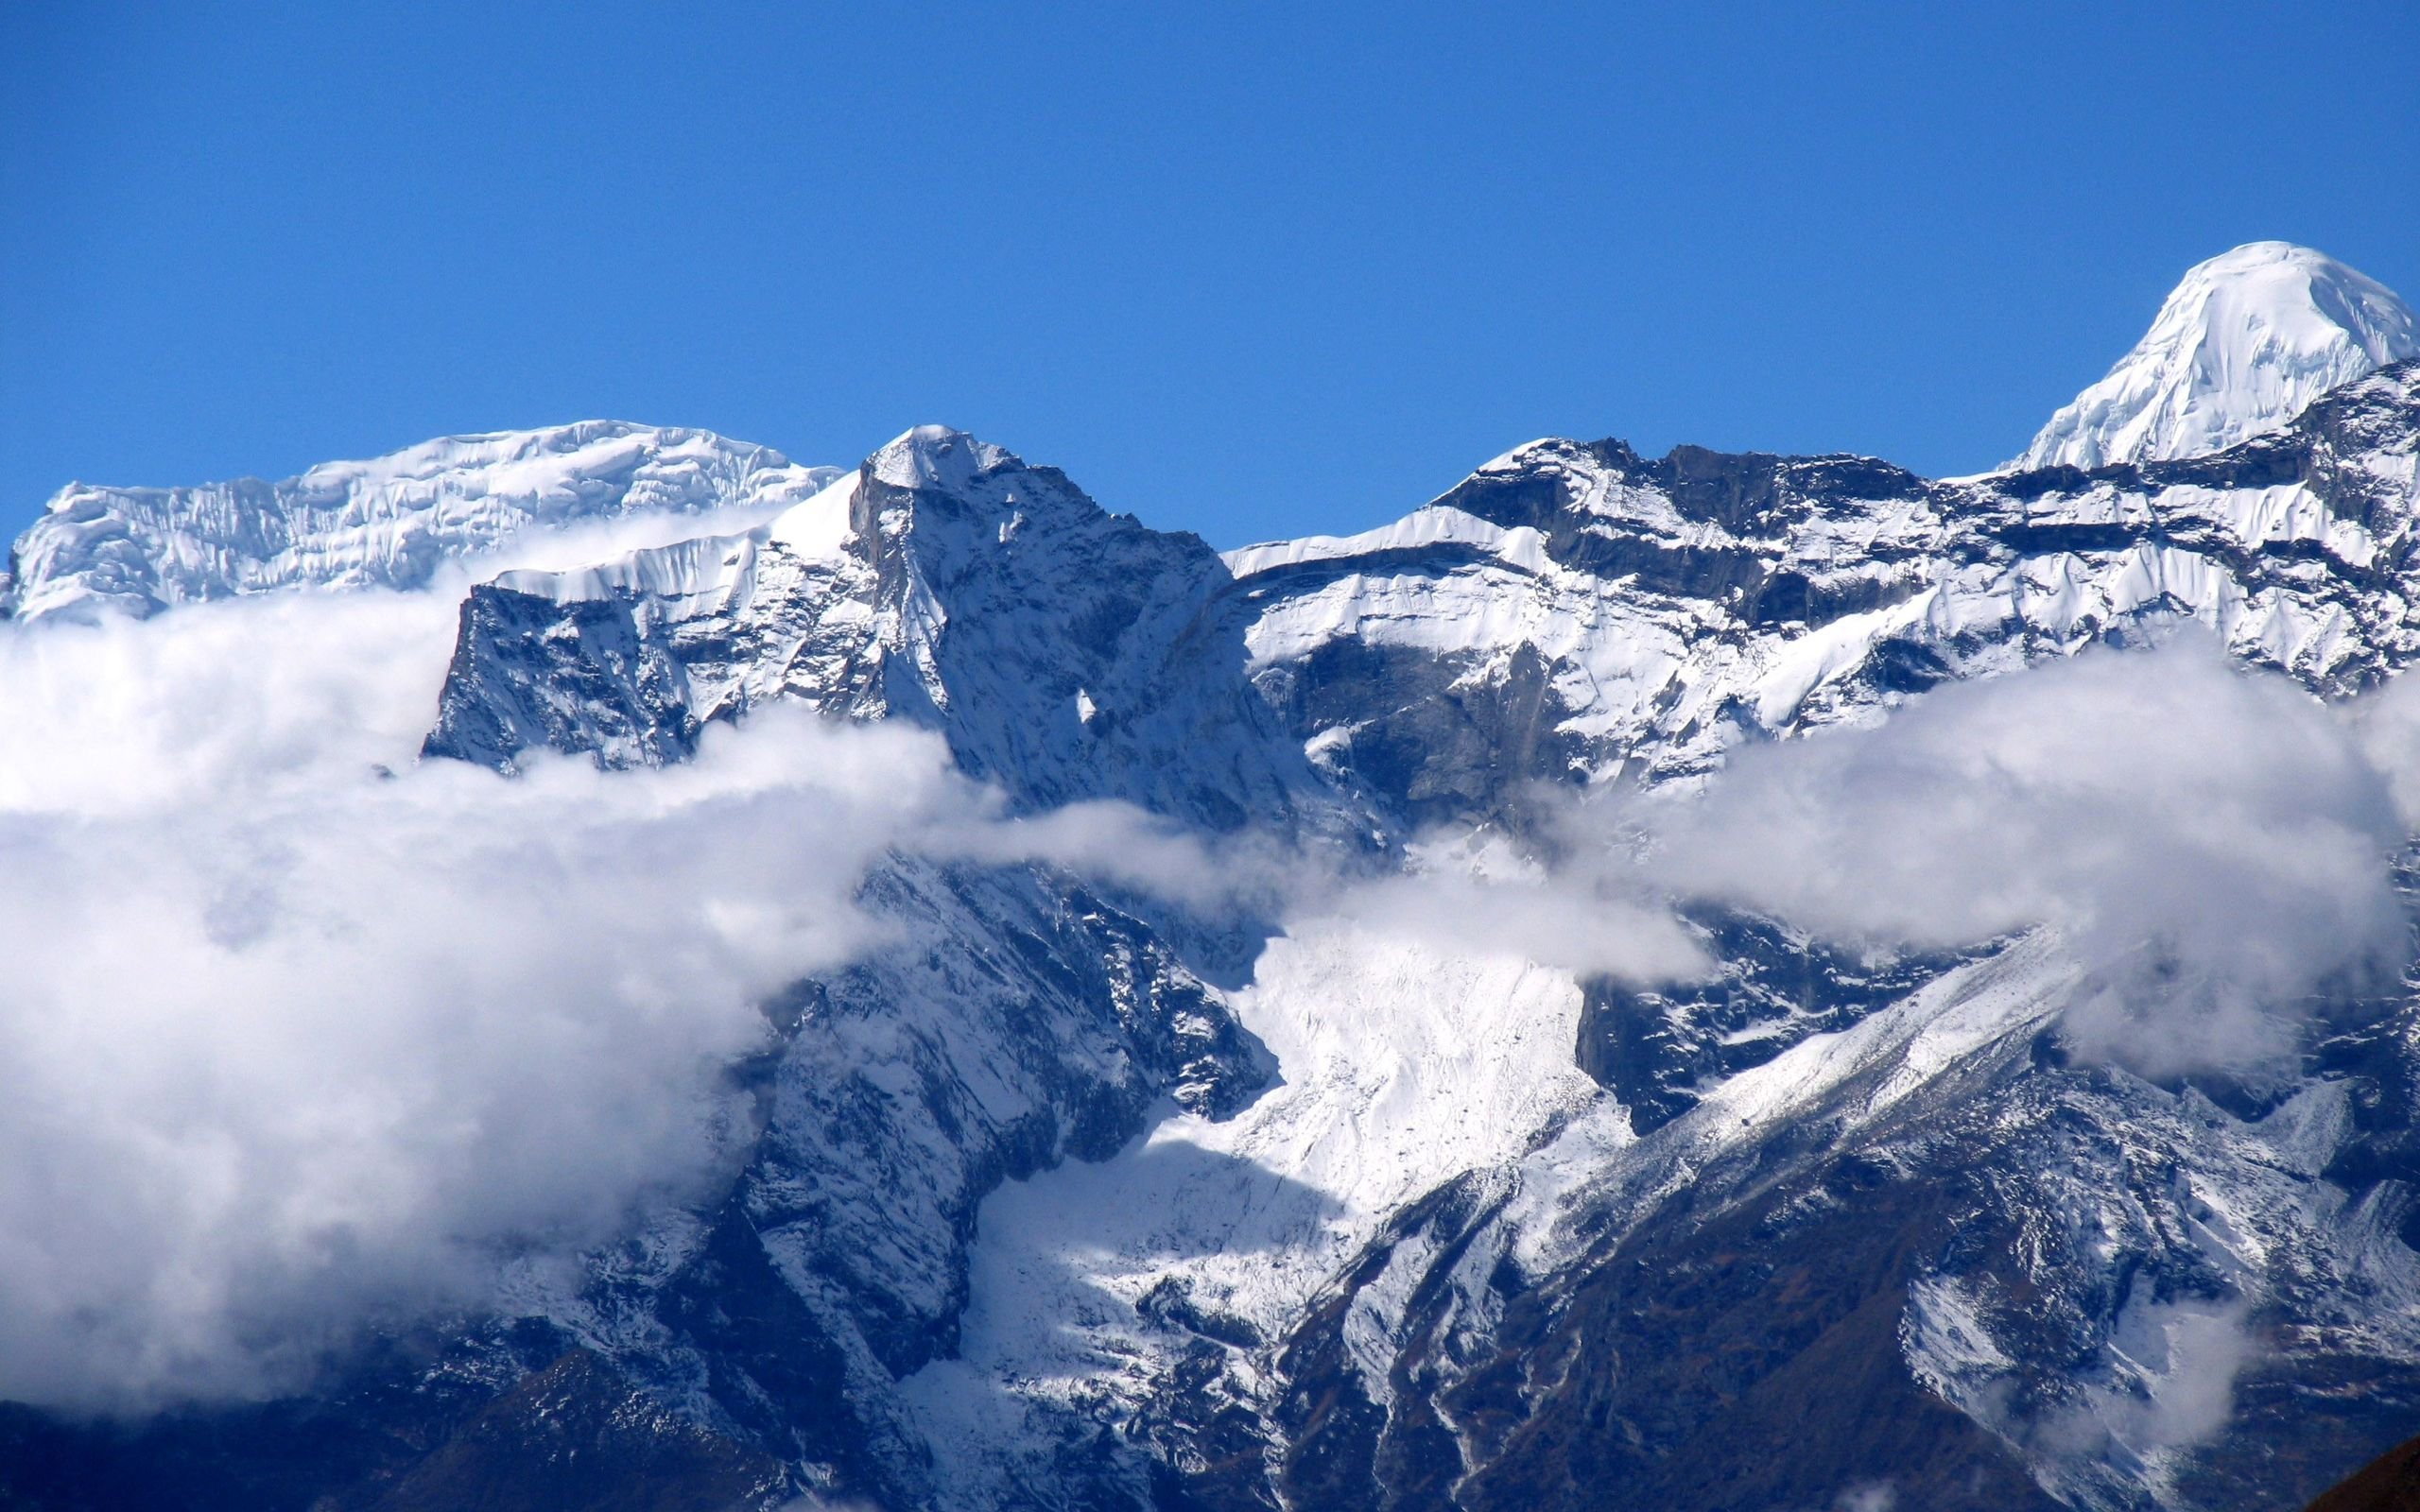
(1594, 919)
(289, 1044)
(2167, 1383)
(1877, 1496)
(175, 711)
(2213, 842)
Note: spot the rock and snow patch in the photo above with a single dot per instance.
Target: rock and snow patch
(1402, 1068)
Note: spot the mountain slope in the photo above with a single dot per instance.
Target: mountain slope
(2244, 342)
(2389, 1484)
(1574, 612)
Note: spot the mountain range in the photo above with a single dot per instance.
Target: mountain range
(1078, 1191)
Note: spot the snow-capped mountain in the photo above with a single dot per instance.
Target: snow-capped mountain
(2244, 342)
(1063, 1197)
(1576, 614)
(1637, 617)
(391, 521)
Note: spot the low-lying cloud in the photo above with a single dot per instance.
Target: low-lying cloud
(2214, 845)
(1595, 916)
(2212, 842)
(297, 1034)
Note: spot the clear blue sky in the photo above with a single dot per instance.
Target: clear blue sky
(1250, 269)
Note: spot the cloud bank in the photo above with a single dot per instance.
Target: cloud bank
(296, 1034)
(2212, 842)
(2214, 845)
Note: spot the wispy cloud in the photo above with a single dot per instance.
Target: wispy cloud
(2215, 844)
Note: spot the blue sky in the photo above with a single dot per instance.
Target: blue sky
(1248, 269)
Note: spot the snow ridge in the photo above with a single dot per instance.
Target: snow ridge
(390, 521)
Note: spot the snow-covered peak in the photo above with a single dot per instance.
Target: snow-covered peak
(2245, 341)
(387, 522)
(935, 457)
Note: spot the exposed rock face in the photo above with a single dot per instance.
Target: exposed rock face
(1066, 653)
(1574, 614)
